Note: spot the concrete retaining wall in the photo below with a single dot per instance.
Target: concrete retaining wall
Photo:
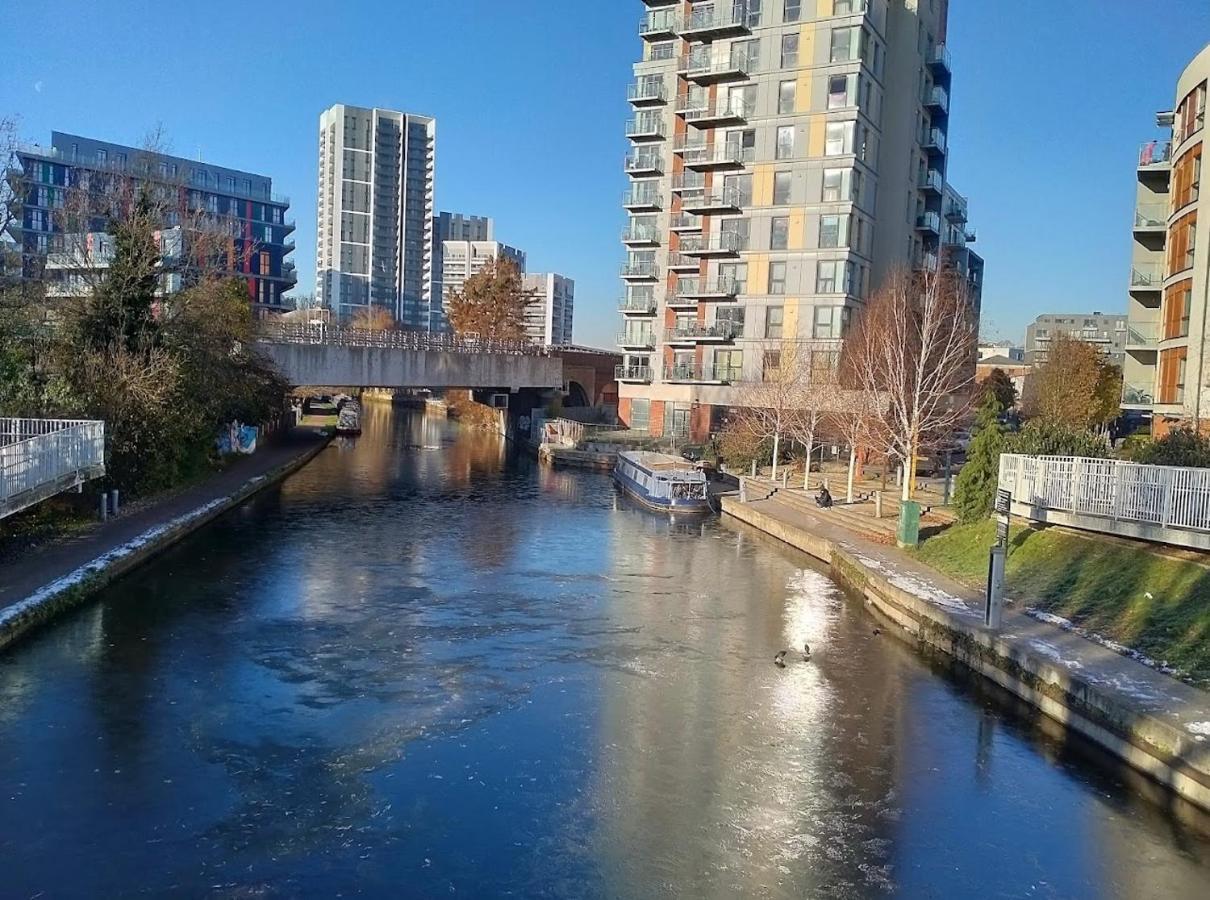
(1159, 749)
(382, 367)
(75, 588)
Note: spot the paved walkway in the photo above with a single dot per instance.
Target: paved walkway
(1148, 689)
(21, 574)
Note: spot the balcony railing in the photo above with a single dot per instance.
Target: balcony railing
(722, 244)
(658, 23)
(1142, 335)
(939, 59)
(929, 221)
(689, 182)
(1151, 217)
(645, 128)
(637, 305)
(642, 200)
(632, 373)
(723, 153)
(935, 140)
(640, 339)
(1138, 395)
(640, 270)
(644, 164)
(1147, 276)
(705, 64)
(647, 90)
(640, 234)
(1155, 154)
(692, 372)
(683, 261)
(694, 288)
(932, 181)
(937, 98)
(698, 331)
(721, 109)
(727, 198)
(685, 222)
(722, 17)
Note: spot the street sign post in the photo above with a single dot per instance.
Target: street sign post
(994, 609)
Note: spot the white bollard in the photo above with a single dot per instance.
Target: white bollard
(877, 504)
(994, 610)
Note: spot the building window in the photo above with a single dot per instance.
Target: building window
(102, 156)
(786, 93)
(833, 185)
(770, 365)
(833, 231)
(785, 142)
(779, 233)
(777, 278)
(831, 322)
(664, 50)
(825, 277)
(640, 408)
(789, 51)
(774, 316)
(793, 11)
(840, 93)
(782, 183)
(838, 139)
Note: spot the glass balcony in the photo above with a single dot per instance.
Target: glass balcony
(727, 243)
(1151, 217)
(937, 99)
(632, 373)
(689, 183)
(645, 128)
(939, 61)
(698, 154)
(935, 141)
(726, 18)
(1142, 335)
(1155, 155)
(640, 270)
(714, 201)
(706, 289)
(931, 181)
(658, 24)
(705, 65)
(706, 112)
(687, 373)
(683, 262)
(682, 222)
(647, 92)
(642, 200)
(639, 340)
(641, 163)
(700, 333)
(1138, 395)
(640, 234)
(929, 223)
(1146, 277)
(637, 306)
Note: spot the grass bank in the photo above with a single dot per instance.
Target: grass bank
(1153, 603)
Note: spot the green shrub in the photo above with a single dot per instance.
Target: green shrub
(976, 487)
(1181, 447)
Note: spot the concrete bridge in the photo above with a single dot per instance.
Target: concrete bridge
(344, 357)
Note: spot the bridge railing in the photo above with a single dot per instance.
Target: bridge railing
(42, 457)
(341, 336)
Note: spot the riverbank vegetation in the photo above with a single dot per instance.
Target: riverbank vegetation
(1154, 600)
(102, 332)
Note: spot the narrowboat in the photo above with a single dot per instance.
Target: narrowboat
(348, 421)
(662, 482)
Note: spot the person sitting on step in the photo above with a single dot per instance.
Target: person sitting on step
(824, 500)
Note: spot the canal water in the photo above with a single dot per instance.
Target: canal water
(427, 667)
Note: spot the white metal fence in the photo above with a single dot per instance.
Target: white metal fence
(392, 339)
(42, 457)
(1167, 496)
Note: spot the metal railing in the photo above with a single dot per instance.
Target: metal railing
(1151, 215)
(642, 339)
(1147, 275)
(722, 15)
(1142, 334)
(1138, 394)
(632, 373)
(1167, 496)
(640, 269)
(644, 162)
(647, 89)
(687, 372)
(937, 98)
(43, 457)
(391, 339)
(693, 331)
(645, 305)
(644, 127)
(646, 199)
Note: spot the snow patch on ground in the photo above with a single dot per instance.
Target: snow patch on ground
(918, 587)
(1201, 729)
(1161, 666)
(78, 576)
(1050, 651)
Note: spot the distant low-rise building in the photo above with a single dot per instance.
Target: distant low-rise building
(1107, 332)
(548, 316)
(1005, 349)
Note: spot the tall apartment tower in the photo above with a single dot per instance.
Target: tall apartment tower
(1167, 372)
(786, 156)
(375, 213)
(449, 226)
(460, 259)
(551, 309)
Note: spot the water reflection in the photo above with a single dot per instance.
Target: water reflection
(425, 665)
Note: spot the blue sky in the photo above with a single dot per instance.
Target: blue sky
(1050, 103)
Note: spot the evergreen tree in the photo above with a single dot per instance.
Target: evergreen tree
(1002, 386)
(976, 488)
(121, 313)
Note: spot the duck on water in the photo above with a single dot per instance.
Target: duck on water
(662, 482)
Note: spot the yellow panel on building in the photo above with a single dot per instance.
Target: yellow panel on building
(797, 239)
(802, 93)
(758, 273)
(762, 185)
(789, 319)
(817, 136)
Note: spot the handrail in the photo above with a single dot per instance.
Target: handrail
(42, 457)
(391, 339)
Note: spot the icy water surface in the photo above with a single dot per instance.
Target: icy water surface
(424, 668)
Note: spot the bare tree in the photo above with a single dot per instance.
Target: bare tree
(373, 318)
(912, 355)
(817, 395)
(491, 304)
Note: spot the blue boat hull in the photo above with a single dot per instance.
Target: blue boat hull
(660, 504)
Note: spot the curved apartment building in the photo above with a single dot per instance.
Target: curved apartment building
(785, 156)
(1169, 332)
